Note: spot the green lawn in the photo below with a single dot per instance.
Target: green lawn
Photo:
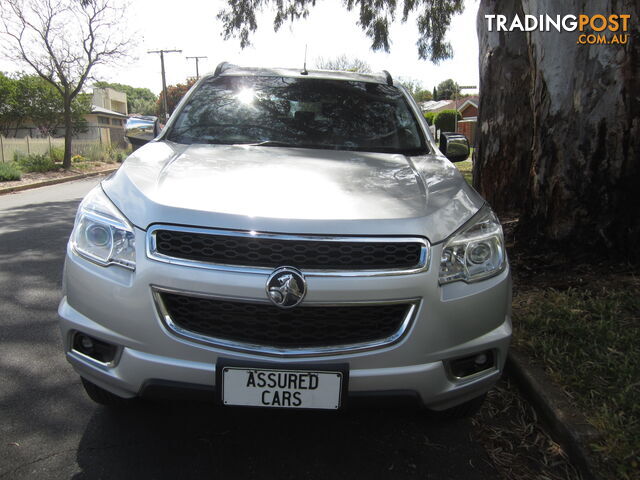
(588, 339)
(466, 168)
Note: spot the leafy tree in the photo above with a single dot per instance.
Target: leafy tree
(31, 99)
(423, 96)
(44, 106)
(445, 120)
(447, 89)
(343, 63)
(174, 95)
(10, 110)
(142, 106)
(416, 89)
(62, 41)
(375, 16)
(429, 116)
(139, 100)
(435, 93)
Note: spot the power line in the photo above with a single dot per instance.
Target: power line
(164, 81)
(196, 59)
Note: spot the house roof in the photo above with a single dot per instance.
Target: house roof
(471, 101)
(435, 105)
(104, 111)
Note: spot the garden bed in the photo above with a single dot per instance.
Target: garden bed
(27, 169)
(59, 173)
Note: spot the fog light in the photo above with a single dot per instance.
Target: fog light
(98, 350)
(467, 366)
(481, 359)
(86, 342)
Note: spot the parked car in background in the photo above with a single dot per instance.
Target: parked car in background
(291, 239)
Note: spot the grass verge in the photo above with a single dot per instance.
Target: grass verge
(466, 169)
(588, 340)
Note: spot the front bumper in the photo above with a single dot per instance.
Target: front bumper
(453, 321)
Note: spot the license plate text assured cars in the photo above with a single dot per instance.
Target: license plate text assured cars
(282, 388)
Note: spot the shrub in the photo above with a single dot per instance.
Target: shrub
(445, 121)
(117, 154)
(9, 171)
(57, 154)
(429, 117)
(18, 156)
(36, 163)
(84, 166)
(96, 153)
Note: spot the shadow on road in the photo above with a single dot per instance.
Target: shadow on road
(37, 386)
(186, 440)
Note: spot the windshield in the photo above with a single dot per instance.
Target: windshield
(295, 112)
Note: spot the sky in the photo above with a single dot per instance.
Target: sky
(328, 32)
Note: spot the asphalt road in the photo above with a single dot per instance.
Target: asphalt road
(50, 429)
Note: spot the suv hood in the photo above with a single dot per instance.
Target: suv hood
(292, 190)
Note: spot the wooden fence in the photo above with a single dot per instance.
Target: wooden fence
(41, 145)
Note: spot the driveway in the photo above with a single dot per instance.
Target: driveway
(49, 429)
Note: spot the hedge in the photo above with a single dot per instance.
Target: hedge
(445, 121)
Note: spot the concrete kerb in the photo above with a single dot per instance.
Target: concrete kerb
(55, 181)
(568, 426)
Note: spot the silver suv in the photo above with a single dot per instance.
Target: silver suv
(291, 239)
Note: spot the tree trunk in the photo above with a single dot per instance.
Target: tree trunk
(559, 127)
(68, 131)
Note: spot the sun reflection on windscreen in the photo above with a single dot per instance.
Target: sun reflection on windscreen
(246, 96)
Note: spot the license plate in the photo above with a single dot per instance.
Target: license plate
(276, 388)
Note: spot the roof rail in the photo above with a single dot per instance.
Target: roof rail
(389, 79)
(222, 66)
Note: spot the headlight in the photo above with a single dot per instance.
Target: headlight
(475, 252)
(102, 234)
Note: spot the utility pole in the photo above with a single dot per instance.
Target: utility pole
(196, 59)
(164, 81)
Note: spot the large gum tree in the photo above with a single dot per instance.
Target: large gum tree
(559, 123)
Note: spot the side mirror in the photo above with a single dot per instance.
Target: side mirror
(454, 146)
(141, 130)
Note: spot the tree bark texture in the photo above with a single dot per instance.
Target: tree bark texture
(559, 127)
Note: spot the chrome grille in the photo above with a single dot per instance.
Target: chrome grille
(267, 251)
(264, 325)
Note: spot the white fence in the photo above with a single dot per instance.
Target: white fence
(41, 145)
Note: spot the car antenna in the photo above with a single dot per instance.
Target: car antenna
(304, 68)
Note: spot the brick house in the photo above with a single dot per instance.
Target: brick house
(469, 111)
(468, 108)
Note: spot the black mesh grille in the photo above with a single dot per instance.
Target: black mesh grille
(303, 254)
(267, 325)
